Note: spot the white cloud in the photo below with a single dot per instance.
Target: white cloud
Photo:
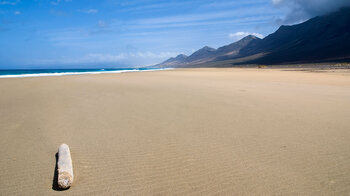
(240, 35)
(17, 12)
(276, 2)
(56, 2)
(230, 17)
(8, 2)
(124, 56)
(89, 11)
(101, 24)
(193, 17)
(103, 57)
(92, 11)
(95, 58)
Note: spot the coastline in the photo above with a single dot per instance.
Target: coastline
(207, 131)
(64, 72)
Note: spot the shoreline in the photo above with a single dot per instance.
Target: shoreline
(312, 67)
(79, 73)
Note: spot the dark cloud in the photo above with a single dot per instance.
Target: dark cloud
(301, 10)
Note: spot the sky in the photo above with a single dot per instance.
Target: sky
(126, 33)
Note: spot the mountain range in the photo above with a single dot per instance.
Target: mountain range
(320, 39)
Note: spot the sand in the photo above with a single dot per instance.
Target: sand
(179, 132)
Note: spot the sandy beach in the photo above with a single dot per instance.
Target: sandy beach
(179, 132)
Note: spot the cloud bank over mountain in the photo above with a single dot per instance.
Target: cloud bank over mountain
(300, 10)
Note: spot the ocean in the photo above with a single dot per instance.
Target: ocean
(60, 72)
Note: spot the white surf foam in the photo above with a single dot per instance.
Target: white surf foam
(77, 73)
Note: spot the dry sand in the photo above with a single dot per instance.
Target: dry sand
(179, 132)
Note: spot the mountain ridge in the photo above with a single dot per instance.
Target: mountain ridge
(319, 39)
(207, 54)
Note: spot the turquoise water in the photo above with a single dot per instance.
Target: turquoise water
(60, 72)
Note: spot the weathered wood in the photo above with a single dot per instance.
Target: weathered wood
(64, 167)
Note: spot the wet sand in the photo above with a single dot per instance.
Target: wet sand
(179, 132)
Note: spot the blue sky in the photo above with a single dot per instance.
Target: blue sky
(108, 33)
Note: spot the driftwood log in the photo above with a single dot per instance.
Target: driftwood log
(64, 167)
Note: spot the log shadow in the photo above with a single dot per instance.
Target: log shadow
(55, 178)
